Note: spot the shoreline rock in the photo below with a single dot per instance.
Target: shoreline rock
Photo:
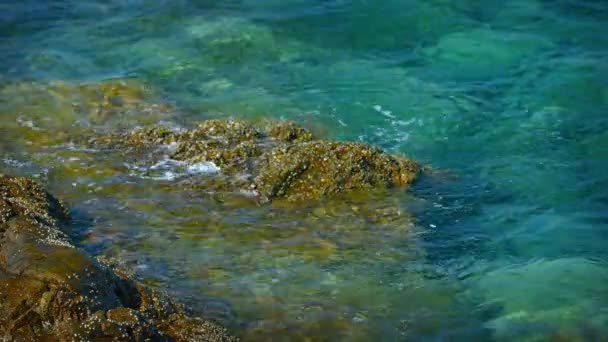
(51, 290)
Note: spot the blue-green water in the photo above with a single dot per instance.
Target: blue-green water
(509, 98)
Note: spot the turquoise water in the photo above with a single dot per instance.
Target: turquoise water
(508, 98)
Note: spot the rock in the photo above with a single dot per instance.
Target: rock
(316, 169)
(528, 298)
(226, 130)
(27, 109)
(219, 153)
(483, 53)
(50, 290)
(289, 132)
(97, 102)
(24, 198)
(280, 161)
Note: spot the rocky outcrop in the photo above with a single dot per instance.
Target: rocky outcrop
(319, 168)
(278, 161)
(51, 290)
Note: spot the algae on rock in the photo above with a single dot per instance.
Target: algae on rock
(50, 290)
(317, 169)
(278, 161)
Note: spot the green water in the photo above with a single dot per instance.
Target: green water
(508, 100)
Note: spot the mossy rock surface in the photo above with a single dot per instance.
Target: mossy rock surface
(317, 169)
(289, 132)
(21, 197)
(276, 161)
(51, 290)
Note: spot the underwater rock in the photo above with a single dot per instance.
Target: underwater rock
(107, 100)
(481, 53)
(528, 299)
(280, 161)
(541, 92)
(237, 41)
(96, 102)
(50, 290)
(28, 106)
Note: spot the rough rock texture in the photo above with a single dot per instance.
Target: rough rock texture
(50, 290)
(316, 169)
(279, 161)
(289, 132)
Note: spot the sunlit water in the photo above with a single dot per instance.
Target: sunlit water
(508, 100)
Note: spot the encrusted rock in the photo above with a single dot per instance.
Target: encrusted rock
(316, 169)
(143, 137)
(50, 290)
(289, 132)
(22, 197)
(6, 210)
(226, 130)
(220, 153)
(281, 161)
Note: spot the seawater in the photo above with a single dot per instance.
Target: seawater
(507, 100)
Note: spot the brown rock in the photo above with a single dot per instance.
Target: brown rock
(317, 169)
(50, 290)
(281, 161)
(289, 132)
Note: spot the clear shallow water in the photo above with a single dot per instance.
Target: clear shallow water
(509, 98)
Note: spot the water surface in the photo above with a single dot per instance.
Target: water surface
(508, 99)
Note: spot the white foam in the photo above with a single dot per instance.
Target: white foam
(16, 163)
(249, 193)
(70, 146)
(205, 167)
(166, 163)
(387, 113)
(170, 169)
(171, 147)
(23, 122)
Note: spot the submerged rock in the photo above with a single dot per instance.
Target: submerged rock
(96, 102)
(28, 106)
(279, 161)
(483, 53)
(50, 290)
(528, 298)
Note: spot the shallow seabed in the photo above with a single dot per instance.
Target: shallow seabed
(506, 100)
